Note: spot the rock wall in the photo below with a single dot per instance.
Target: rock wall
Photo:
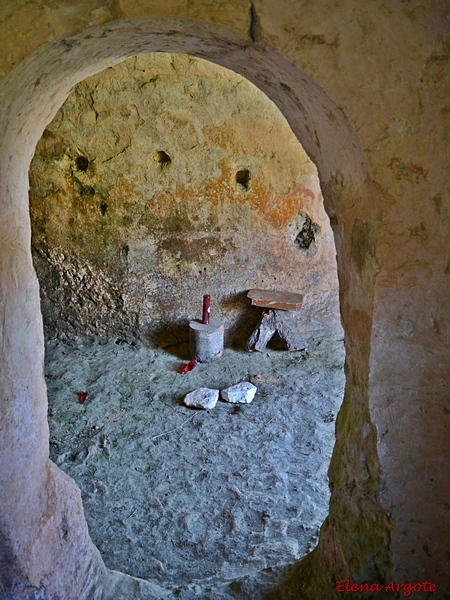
(164, 178)
(385, 65)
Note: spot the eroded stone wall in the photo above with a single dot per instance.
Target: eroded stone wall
(164, 178)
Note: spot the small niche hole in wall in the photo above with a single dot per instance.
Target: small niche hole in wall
(82, 163)
(162, 158)
(103, 208)
(243, 178)
(306, 234)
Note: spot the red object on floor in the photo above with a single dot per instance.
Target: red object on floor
(206, 309)
(82, 397)
(191, 365)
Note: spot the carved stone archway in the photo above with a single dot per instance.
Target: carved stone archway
(44, 542)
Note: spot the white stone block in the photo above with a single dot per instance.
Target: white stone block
(241, 393)
(202, 398)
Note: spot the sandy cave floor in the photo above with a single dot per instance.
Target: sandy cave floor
(190, 499)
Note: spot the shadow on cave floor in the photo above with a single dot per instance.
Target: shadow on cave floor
(190, 499)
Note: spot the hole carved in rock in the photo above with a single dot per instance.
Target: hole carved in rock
(82, 163)
(243, 178)
(307, 232)
(162, 158)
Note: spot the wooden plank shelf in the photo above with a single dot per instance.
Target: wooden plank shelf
(276, 300)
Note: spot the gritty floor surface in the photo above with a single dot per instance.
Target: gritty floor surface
(187, 498)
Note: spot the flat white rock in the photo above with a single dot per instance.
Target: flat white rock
(202, 398)
(241, 393)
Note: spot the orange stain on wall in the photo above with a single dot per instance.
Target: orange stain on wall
(276, 209)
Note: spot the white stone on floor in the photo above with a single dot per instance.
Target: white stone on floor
(202, 398)
(241, 393)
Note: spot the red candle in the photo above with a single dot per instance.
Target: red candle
(206, 309)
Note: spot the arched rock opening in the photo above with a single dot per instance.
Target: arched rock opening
(233, 495)
(45, 540)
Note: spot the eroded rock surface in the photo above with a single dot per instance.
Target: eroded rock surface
(196, 498)
(164, 178)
